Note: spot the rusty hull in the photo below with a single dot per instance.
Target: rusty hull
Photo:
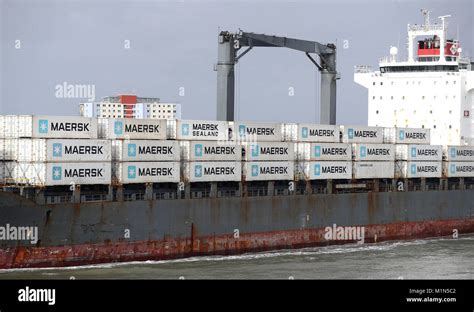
(91, 233)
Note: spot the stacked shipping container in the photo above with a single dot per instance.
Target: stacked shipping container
(141, 153)
(207, 153)
(47, 150)
(321, 154)
(266, 155)
(33, 154)
(459, 161)
(372, 158)
(211, 161)
(419, 161)
(415, 158)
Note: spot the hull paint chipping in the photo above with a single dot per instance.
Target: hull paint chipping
(86, 254)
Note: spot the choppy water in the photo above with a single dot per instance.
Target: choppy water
(441, 258)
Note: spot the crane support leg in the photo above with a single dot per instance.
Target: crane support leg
(328, 98)
(225, 79)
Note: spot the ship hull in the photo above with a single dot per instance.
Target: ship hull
(103, 232)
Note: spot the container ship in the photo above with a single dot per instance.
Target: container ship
(100, 189)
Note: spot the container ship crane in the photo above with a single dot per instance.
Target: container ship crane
(230, 43)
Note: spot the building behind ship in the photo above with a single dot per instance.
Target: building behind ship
(130, 106)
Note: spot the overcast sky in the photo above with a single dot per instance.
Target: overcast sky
(173, 45)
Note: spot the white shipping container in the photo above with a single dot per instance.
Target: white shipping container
(15, 126)
(290, 132)
(11, 126)
(25, 126)
(211, 151)
(9, 149)
(171, 129)
(373, 152)
(78, 150)
(258, 131)
(407, 135)
(212, 171)
(318, 133)
(330, 151)
(7, 169)
(269, 170)
(66, 127)
(362, 134)
(458, 169)
(262, 151)
(459, 152)
(418, 152)
(146, 172)
(373, 169)
(418, 169)
(31, 150)
(132, 128)
(302, 151)
(63, 150)
(49, 174)
(325, 170)
(146, 150)
(202, 130)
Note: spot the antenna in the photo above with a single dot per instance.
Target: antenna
(426, 15)
(442, 18)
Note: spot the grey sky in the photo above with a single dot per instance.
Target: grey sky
(174, 44)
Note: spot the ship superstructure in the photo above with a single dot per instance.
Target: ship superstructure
(433, 88)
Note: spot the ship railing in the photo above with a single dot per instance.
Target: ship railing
(200, 194)
(227, 193)
(134, 196)
(93, 197)
(362, 69)
(319, 190)
(254, 192)
(58, 199)
(165, 195)
(417, 27)
(251, 189)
